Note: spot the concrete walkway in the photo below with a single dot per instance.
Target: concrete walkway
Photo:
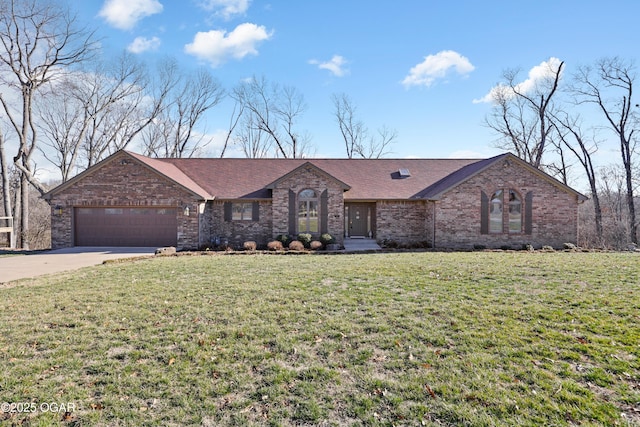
(14, 267)
(353, 245)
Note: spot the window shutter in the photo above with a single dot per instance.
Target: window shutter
(292, 213)
(484, 213)
(324, 214)
(528, 213)
(255, 211)
(227, 211)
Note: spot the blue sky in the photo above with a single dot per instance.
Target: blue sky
(414, 66)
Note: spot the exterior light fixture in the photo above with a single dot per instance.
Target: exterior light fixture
(57, 210)
(185, 210)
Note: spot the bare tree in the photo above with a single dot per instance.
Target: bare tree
(4, 172)
(173, 132)
(77, 119)
(609, 86)
(352, 129)
(378, 144)
(38, 40)
(521, 114)
(357, 140)
(253, 142)
(571, 134)
(234, 120)
(275, 112)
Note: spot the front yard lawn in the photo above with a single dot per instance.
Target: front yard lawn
(478, 339)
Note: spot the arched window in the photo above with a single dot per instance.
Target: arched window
(308, 218)
(515, 212)
(495, 212)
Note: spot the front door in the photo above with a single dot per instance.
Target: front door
(360, 216)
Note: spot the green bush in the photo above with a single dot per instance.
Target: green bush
(296, 245)
(327, 239)
(285, 239)
(305, 238)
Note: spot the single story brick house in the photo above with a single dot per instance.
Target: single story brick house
(132, 200)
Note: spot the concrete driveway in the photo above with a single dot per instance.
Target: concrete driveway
(14, 267)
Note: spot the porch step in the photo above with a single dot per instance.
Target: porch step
(360, 244)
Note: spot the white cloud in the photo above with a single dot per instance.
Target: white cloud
(436, 67)
(124, 14)
(540, 73)
(217, 47)
(143, 44)
(226, 8)
(335, 65)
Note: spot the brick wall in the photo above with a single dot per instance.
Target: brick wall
(303, 178)
(402, 221)
(238, 232)
(123, 182)
(554, 211)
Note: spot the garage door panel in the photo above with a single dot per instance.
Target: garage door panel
(102, 226)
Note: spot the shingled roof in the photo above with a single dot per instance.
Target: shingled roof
(368, 179)
(362, 179)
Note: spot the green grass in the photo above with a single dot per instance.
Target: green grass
(477, 339)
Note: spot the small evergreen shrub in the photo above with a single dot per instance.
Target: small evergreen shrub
(305, 238)
(250, 245)
(391, 244)
(275, 245)
(315, 245)
(285, 239)
(296, 245)
(327, 239)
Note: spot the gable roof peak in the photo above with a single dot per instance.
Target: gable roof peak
(309, 165)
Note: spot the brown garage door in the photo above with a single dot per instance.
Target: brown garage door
(115, 226)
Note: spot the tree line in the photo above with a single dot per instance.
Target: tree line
(60, 98)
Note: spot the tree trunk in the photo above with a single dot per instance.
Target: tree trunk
(24, 211)
(4, 171)
(17, 218)
(633, 225)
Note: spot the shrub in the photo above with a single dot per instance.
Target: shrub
(315, 245)
(327, 239)
(250, 245)
(284, 239)
(296, 245)
(570, 246)
(391, 244)
(275, 245)
(548, 248)
(305, 238)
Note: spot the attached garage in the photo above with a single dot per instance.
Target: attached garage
(125, 226)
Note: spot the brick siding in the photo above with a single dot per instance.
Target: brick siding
(402, 221)
(239, 231)
(458, 212)
(453, 221)
(123, 182)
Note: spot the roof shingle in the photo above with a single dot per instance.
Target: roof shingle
(369, 179)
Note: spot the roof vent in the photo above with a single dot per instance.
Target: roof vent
(404, 173)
